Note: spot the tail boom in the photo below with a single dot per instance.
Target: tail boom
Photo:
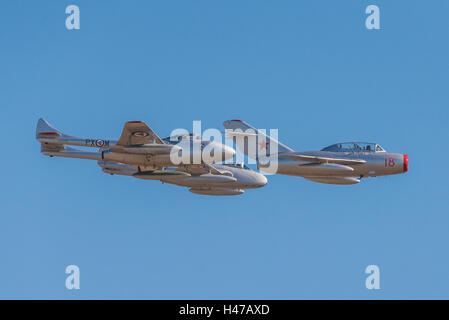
(47, 134)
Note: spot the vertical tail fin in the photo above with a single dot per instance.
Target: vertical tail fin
(265, 144)
(50, 137)
(44, 129)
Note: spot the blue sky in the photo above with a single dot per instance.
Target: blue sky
(309, 68)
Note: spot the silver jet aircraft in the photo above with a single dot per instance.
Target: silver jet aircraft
(214, 179)
(340, 163)
(138, 145)
(134, 154)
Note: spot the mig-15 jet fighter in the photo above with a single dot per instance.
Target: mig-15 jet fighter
(340, 163)
(142, 154)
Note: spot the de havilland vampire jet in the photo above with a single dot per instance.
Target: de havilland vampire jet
(215, 179)
(142, 154)
(340, 163)
(138, 145)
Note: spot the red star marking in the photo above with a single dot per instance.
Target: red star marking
(263, 145)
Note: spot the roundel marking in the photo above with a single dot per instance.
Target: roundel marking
(140, 134)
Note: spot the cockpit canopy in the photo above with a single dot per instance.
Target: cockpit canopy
(354, 147)
(177, 138)
(237, 165)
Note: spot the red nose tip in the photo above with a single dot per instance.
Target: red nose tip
(405, 163)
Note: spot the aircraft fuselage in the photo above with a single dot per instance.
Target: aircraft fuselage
(377, 164)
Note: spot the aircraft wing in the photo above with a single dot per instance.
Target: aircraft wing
(138, 133)
(203, 168)
(319, 159)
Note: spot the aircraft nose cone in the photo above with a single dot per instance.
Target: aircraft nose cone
(405, 163)
(228, 153)
(261, 180)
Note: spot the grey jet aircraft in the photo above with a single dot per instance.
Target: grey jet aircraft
(340, 163)
(227, 179)
(142, 154)
(138, 145)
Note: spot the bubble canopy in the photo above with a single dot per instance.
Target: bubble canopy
(354, 147)
(237, 165)
(177, 138)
